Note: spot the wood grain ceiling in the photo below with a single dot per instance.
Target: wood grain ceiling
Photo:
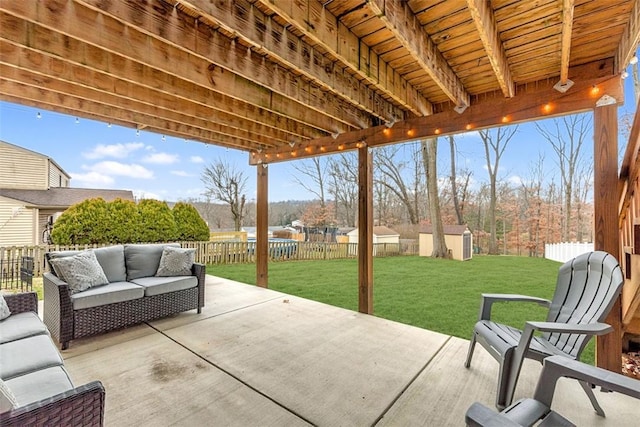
(292, 78)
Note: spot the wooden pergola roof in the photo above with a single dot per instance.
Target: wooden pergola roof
(285, 79)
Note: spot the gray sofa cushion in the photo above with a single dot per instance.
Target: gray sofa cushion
(34, 386)
(27, 355)
(21, 325)
(143, 260)
(107, 294)
(161, 285)
(110, 258)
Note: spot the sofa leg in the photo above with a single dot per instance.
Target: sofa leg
(199, 310)
(65, 345)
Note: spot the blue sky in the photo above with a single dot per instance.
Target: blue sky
(97, 155)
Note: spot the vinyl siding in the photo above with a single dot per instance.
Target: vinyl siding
(17, 224)
(22, 169)
(56, 177)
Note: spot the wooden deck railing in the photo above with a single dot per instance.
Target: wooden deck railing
(629, 224)
(236, 252)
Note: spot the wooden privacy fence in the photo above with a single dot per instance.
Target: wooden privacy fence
(12, 258)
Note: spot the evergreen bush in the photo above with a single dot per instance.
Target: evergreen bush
(189, 224)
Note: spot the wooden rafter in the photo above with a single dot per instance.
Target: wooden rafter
(338, 40)
(567, 30)
(483, 17)
(200, 48)
(266, 36)
(407, 29)
(142, 49)
(128, 77)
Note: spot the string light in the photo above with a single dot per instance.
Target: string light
(77, 120)
(437, 131)
(163, 138)
(38, 116)
(137, 132)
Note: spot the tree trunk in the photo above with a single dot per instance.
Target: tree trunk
(429, 159)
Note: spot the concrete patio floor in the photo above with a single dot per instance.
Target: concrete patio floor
(257, 357)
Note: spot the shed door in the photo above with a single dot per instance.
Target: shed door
(466, 246)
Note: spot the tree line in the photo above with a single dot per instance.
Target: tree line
(409, 191)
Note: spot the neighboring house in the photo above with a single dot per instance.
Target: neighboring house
(34, 188)
(458, 239)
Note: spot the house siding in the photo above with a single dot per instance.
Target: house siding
(22, 169)
(17, 223)
(57, 178)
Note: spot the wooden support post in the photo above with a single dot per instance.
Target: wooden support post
(365, 231)
(262, 227)
(607, 237)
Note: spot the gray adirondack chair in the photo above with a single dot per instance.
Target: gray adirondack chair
(586, 289)
(527, 412)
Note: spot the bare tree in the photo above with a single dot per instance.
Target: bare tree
(495, 141)
(315, 169)
(227, 184)
(567, 138)
(343, 186)
(532, 195)
(429, 160)
(391, 168)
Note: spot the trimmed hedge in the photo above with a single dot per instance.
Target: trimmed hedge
(94, 221)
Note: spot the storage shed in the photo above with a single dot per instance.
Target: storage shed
(385, 240)
(458, 238)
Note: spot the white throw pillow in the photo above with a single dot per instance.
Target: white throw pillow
(176, 262)
(7, 399)
(4, 308)
(81, 271)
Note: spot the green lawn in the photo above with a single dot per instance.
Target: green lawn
(439, 295)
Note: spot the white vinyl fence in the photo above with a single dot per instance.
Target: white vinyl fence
(563, 252)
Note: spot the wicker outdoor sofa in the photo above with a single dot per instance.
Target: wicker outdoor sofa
(136, 291)
(34, 376)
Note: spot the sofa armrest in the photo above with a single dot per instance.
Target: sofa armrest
(22, 302)
(199, 271)
(58, 309)
(81, 406)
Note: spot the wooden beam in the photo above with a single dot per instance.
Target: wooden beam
(605, 216)
(341, 42)
(262, 226)
(365, 231)
(531, 102)
(567, 30)
(114, 73)
(165, 110)
(404, 25)
(483, 17)
(173, 30)
(267, 37)
(630, 39)
(140, 48)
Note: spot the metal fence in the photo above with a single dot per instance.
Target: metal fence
(20, 264)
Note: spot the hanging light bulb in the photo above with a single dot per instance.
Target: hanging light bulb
(163, 138)
(624, 74)
(38, 116)
(77, 120)
(137, 132)
(633, 60)
(109, 125)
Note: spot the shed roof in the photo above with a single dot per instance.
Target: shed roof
(63, 197)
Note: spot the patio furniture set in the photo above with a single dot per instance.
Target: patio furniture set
(86, 293)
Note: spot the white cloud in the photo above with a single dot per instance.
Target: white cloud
(181, 173)
(130, 170)
(118, 151)
(196, 159)
(516, 180)
(161, 158)
(91, 179)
